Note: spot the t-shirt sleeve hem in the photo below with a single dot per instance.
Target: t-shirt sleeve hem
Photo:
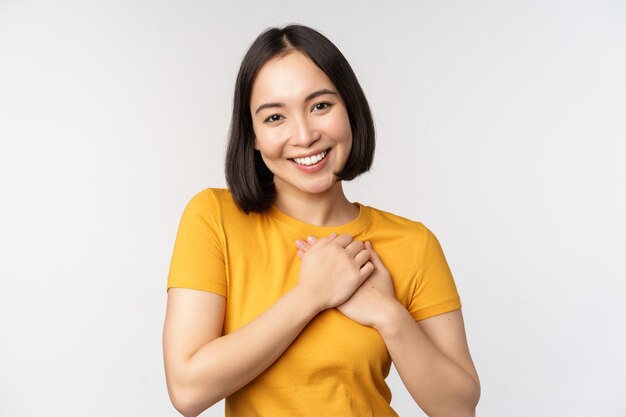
(181, 280)
(437, 309)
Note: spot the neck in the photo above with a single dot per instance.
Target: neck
(328, 208)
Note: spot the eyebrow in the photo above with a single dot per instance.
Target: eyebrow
(308, 98)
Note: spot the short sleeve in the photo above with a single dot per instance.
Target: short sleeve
(435, 291)
(198, 259)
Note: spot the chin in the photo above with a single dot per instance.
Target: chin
(309, 185)
(318, 188)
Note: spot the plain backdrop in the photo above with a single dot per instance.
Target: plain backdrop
(501, 125)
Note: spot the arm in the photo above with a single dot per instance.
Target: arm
(202, 368)
(199, 364)
(433, 360)
(431, 355)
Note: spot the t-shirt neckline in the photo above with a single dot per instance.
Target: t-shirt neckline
(352, 228)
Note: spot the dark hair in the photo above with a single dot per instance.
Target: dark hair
(250, 181)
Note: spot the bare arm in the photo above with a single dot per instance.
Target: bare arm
(431, 355)
(433, 360)
(198, 378)
(202, 368)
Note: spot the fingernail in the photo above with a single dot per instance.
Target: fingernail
(299, 244)
(311, 239)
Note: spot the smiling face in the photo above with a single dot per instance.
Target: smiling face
(301, 124)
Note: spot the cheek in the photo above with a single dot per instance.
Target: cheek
(269, 144)
(338, 127)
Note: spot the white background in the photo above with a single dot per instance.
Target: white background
(501, 126)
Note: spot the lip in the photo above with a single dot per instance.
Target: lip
(313, 168)
(310, 153)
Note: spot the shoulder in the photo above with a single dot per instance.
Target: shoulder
(212, 200)
(414, 230)
(216, 207)
(209, 196)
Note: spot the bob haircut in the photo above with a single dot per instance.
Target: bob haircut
(250, 181)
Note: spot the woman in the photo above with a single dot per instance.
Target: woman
(284, 297)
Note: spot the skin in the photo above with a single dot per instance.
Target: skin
(369, 303)
(431, 357)
(298, 128)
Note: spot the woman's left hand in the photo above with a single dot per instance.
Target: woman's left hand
(370, 303)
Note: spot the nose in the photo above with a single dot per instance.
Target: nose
(305, 133)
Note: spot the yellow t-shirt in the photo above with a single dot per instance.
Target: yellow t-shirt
(335, 366)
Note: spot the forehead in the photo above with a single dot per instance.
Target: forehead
(289, 77)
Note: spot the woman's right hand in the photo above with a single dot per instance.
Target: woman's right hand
(333, 269)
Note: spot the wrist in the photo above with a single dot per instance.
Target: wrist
(306, 301)
(390, 315)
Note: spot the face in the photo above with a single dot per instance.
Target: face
(301, 124)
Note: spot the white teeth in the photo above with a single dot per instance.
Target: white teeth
(311, 160)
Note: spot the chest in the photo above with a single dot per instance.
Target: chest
(262, 265)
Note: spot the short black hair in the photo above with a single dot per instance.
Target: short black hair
(250, 181)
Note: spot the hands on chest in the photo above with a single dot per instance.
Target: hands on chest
(348, 275)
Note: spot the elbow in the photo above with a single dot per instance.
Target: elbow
(182, 401)
(187, 403)
(471, 411)
(471, 402)
(477, 393)
(189, 395)
(464, 405)
(456, 412)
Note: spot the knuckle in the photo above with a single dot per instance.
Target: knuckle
(345, 238)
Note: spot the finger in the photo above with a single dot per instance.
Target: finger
(343, 240)
(300, 253)
(378, 263)
(325, 239)
(302, 245)
(311, 240)
(366, 271)
(362, 257)
(355, 247)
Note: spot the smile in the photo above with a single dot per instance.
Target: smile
(311, 160)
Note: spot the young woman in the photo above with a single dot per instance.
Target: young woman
(283, 296)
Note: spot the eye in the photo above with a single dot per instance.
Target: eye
(322, 106)
(272, 118)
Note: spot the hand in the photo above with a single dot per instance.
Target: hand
(333, 269)
(371, 301)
